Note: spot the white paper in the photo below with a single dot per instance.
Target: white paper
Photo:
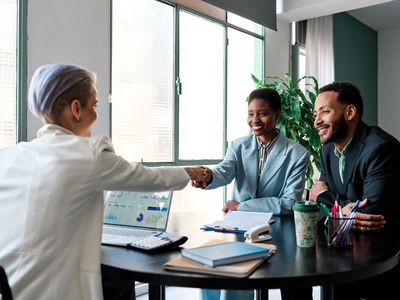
(241, 220)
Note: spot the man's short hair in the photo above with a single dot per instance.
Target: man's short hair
(348, 93)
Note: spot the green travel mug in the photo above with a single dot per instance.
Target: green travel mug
(305, 219)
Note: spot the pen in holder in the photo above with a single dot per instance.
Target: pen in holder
(340, 233)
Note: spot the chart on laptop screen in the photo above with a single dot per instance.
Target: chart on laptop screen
(149, 210)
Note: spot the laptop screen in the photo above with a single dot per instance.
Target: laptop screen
(144, 210)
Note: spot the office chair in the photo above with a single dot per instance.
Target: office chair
(5, 290)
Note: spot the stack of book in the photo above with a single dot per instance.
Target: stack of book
(237, 259)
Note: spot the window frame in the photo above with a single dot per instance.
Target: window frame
(20, 133)
(181, 162)
(298, 47)
(22, 86)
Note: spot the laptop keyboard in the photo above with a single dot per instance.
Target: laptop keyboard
(163, 240)
(137, 233)
(143, 239)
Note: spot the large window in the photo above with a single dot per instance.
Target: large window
(179, 85)
(299, 52)
(8, 72)
(245, 57)
(201, 72)
(142, 80)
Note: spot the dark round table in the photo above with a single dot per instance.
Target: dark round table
(291, 266)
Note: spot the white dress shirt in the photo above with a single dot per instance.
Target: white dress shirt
(51, 199)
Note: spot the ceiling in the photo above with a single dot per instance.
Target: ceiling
(379, 17)
(377, 14)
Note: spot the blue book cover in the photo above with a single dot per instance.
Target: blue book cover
(226, 253)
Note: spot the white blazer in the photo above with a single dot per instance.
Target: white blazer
(51, 199)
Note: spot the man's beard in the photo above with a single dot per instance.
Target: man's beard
(339, 130)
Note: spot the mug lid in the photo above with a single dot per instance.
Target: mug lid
(306, 206)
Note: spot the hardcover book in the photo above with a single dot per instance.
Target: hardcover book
(225, 253)
(242, 269)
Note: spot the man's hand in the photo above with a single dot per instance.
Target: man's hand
(317, 188)
(230, 205)
(365, 222)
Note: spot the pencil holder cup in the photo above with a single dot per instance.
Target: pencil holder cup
(339, 231)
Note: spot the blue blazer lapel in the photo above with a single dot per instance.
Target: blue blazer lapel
(250, 163)
(275, 159)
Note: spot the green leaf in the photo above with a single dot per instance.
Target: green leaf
(296, 109)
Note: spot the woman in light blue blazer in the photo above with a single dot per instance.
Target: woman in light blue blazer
(269, 172)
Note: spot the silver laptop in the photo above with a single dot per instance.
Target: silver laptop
(131, 216)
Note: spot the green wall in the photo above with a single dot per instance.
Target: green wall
(355, 47)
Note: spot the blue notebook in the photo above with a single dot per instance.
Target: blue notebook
(226, 253)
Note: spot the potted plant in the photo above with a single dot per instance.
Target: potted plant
(296, 121)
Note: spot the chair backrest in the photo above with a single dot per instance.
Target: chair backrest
(5, 290)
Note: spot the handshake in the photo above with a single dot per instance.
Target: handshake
(200, 176)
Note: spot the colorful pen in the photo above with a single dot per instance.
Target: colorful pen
(325, 209)
(355, 207)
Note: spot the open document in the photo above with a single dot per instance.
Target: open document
(239, 221)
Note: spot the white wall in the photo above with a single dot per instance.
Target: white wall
(389, 80)
(74, 32)
(277, 50)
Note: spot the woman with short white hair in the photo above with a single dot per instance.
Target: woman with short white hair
(51, 190)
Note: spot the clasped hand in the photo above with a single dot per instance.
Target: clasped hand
(204, 180)
(200, 176)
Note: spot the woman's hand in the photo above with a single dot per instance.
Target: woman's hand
(200, 176)
(230, 205)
